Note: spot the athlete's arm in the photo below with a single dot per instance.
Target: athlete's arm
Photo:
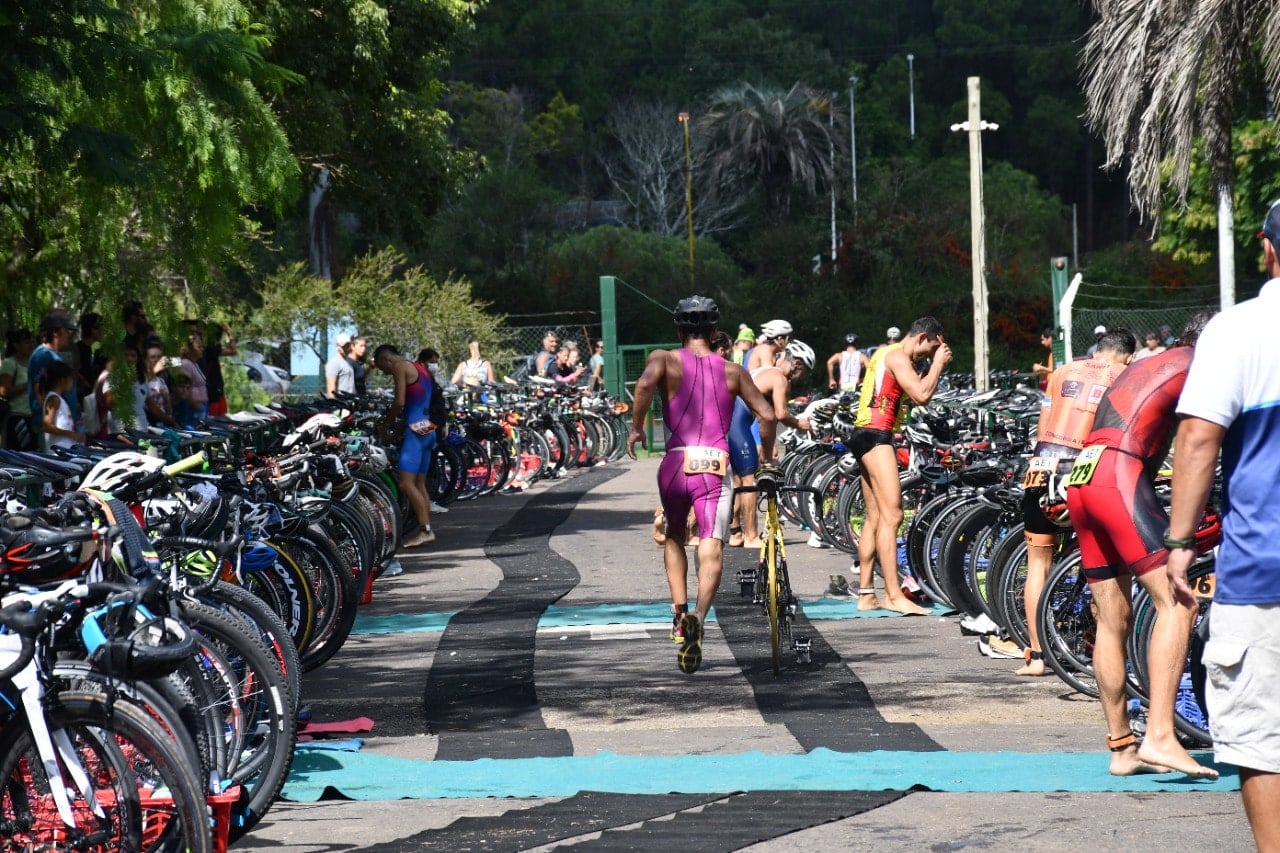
(655, 373)
(740, 383)
(1195, 459)
(457, 374)
(832, 363)
(1046, 405)
(775, 386)
(919, 389)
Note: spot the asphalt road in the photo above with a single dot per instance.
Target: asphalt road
(497, 684)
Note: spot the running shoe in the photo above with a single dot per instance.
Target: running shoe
(677, 628)
(690, 655)
(816, 541)
(993, 647)
(435, 507)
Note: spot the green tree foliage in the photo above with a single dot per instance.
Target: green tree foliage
(135, 139)
(655, 272)
(1188, 235)
(368, 109)
(385, 297)
(780, 138)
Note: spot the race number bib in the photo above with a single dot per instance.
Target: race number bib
(706, 460)
(1038, 470)
(1086, 462)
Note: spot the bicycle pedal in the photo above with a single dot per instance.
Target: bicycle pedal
(802, 646)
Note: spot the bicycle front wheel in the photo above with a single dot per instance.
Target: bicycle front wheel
(772, 595)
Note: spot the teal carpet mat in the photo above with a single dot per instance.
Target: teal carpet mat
(368, 776)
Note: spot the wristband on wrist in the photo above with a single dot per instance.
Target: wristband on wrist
(1173, 544)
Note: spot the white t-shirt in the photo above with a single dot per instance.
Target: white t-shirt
(1234, 382)
(63, 420)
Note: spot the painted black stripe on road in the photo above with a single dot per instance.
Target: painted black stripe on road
(520, 829)
(742, 819)
(822, 704)
(725, 822)
(480, 696)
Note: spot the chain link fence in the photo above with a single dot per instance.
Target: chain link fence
(1140, 321)
(520, 344)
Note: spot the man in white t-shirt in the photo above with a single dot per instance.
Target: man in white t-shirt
(339, 375)
(1231, 403)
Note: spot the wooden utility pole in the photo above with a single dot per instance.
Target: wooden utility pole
(974, 127)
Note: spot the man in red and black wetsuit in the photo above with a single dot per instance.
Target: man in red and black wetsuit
(1120, 524)
(1067, 412)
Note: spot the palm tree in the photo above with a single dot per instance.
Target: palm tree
(1157, 73)
(781, 138)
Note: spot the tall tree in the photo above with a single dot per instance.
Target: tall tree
(647, 166)
(1159, 73)
(782, 138)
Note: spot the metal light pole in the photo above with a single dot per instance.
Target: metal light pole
(911, 91)
(688, 188)
(853, 145)
(831, 153)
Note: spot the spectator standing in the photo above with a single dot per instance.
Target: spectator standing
(1042, 371)
(359, 346)
(563, 369)
(339, 377)
(1098, 331)
(60, 427)
(159, 398)
(89, 361)
(845, 368)
(1229, 406)
(19, 434)
(56, 333)
(136, 327)
(745, 341)
(544, 361)
(192, 405)
(1152, 346)
(211, 364)
(596, 365)
(1166, 336)
(475, 370)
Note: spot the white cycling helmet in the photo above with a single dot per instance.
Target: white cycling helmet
(801, 352)
(776, 329)
(119, 469)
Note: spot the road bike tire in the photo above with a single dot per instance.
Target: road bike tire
(1190, 717)
(955, 563)
(266, 752)
(269, 626)
(1006, 582)
(773, 593)
(114, 741)
(1066, 625)
(285, 588)
(333, 587)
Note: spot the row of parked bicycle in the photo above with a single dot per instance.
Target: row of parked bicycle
(962, 461)
(162, 596)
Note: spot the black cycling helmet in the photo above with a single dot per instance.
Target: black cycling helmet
(850, 339)
(696, 311)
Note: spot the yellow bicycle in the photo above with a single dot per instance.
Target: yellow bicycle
(768, 584)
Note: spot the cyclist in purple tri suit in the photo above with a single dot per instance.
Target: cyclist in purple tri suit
(697, 388)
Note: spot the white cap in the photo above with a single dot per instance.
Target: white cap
(893, 332)
(1099, 330)
(343, 339)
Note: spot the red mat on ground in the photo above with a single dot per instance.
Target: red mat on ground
(340, 727)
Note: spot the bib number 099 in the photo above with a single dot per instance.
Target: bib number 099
(705, 460)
